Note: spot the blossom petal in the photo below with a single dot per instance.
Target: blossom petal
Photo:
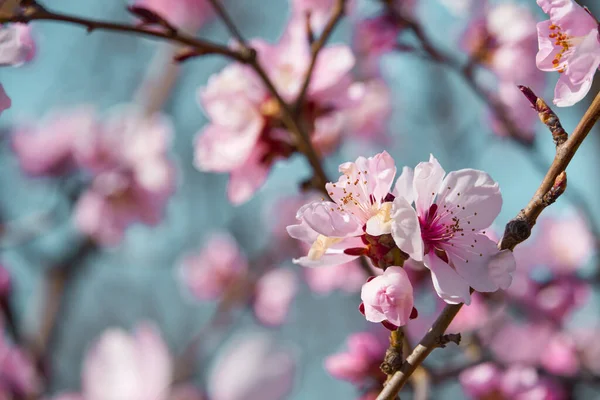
(447, 283)
(404, 185)
(406, 230)
(566, 93)
(585, 59)
(501, 266)
(473, 197)
(325, 218)
(427, 181)
(470, 255)
(333, 64)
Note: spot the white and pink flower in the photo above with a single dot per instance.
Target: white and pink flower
(569, 42)
(446, 230)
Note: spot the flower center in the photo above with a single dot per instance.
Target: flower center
(435, 230)
(565, 43)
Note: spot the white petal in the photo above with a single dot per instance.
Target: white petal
(406, 230)
(470, 255)
(501, 267)
(404, 185)
(381, 223)
(427, 181)
(447, 283)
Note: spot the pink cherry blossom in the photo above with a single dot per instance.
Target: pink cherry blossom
(560, 356)
(218, 264)
(361, 361)
(5, 102)
(472, 317)
(368, 118)
(125, 366)
(190, 14)
(447, 231)
(524, 383)
(372, 38)
(17, 370)
(569, 42)
(132, 176)
(348, 277)
(527, 342)
(16, 44)
(481, 381)
(245, 135)
(388, 297)
(262, 369)
(273, 295)
(47, 148)
(358, 202)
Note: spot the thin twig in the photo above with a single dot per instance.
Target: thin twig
(316, 47)
(517, 230)
(222, 13)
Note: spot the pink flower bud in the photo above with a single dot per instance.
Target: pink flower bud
(388, 297)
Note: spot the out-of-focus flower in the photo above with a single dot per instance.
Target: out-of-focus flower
(564, 244)
(348, 277)
(17, 371)
(262, 370)
(273, 295)
(48, 147)
(219, 264)
(132, 176)
(360, 363)
(5, 102)
(245, 135)
(447, 233)
(561, 297)
(560, 356)
(333, 227)
(124, 366)
(569, 42)
(481, 381)
(369, 117)
(526, 341)
(472, 317)
(16, 44)
(320, 11)
(500, 38)
(190, 14)
(388, 297)
(372, 38)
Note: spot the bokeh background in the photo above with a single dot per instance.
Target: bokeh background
(434, 111)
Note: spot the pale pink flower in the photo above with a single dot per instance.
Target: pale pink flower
(564, 244)
(348, 277)
(369, 117)
(132, 176)
(472, 317)
(361, 361)
(358, 201)
(219, 264)
(5, 102)
(388, 297)
(527, 342)
(524, 383)
(560, 356)
(47, 148)
(274, 292)
(124, 366)
(500, 38)
(245, 135)
(569, 42)
(190, 14)
(447, 233)
(481, 381)
(262, 369)
(16, 44)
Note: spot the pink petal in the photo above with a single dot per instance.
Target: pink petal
(273, 295)
(406, 229)
(246, 179)
(566, 93)
(404, 185)
(473, 195)
(585, 59)
(333, 64)
(447, 283)
(427, 182)
(325, 218)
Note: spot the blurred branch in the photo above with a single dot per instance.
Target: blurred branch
(317, 46)
(517, 230)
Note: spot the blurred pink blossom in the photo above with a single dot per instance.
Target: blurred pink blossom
(361, 361)
(132, 178)
(560, 356)
(320, 11)
(471, 317)
(244, 136)
(209, 272)
(273, 295)
(388, 297)
(348, 277)
(446, 230)
(527, 342)
(372, 38)
(16, 44)
(47, 148)
(18, 373)
(369, 117)
(5, 102)
(481, 381)
(253, 368)
(189, 14)
(125, 366)
(569, 42)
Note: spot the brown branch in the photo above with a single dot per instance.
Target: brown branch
(517, 230)
(317, 46)
(222, 13)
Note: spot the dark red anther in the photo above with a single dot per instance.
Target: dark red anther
(364, 239)
(389, 197)
(414, 313)
(369, 279)
(356, 251)
(432, 210)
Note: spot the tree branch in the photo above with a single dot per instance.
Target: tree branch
(517, 230)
